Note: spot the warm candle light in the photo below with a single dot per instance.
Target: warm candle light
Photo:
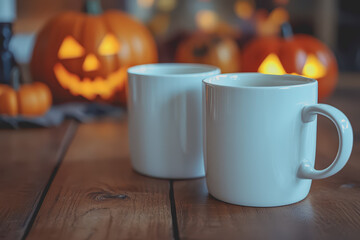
(206, 20)
(70, 48)
(91, 63)
(313, 68)
(109, 45)
(271, 65)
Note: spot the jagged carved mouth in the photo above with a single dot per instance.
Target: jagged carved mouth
(88, 88)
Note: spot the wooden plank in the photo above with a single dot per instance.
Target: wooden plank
(28, 159)
(97, 195)
(331, 211)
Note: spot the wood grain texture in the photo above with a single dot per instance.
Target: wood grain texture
(28, 158)
(331, 211)
(96, 194)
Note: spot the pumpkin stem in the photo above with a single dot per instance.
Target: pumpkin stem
(15, 78)
(92, 7)
(286, 30)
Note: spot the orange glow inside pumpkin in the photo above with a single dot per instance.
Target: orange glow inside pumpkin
(271, 65)
(91, 63)
(109, 45)
(86, 87)
(70, 48)
(313, 68)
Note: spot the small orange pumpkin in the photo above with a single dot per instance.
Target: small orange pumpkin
(86, 56)
(30, 100)
(213, 49)
(293, 54)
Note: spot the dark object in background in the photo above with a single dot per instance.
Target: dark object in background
(213, 49)
(348, 42)
(7, 61)
(81, 112)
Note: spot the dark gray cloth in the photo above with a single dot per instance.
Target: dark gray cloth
(82, 112)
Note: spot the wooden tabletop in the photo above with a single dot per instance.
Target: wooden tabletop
(76, 182)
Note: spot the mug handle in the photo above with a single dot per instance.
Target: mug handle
(345, 132)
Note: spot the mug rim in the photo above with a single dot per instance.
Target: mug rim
(148, 69)
(301, 81)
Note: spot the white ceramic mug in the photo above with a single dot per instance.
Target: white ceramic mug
(165, 127)
(260, 138)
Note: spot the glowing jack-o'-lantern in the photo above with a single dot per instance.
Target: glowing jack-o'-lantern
(86, 56)
(293, 54)
(86, 87)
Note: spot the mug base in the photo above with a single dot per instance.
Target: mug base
(263, 205)
(169, 176)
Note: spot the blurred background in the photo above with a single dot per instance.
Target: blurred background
(83, 56)
(334, 22)
(319, 39)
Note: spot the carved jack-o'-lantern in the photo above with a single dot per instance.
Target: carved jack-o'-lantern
(293, 54)
(213, 49)
(82, 56)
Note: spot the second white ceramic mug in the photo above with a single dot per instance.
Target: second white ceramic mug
(165, 131)
(260, 138)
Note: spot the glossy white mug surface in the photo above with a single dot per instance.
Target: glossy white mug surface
(260, 138)
(165, 127)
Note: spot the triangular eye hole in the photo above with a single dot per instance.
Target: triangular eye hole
(109, 45)
(272, 65)
(70, 48)
(313, 68)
